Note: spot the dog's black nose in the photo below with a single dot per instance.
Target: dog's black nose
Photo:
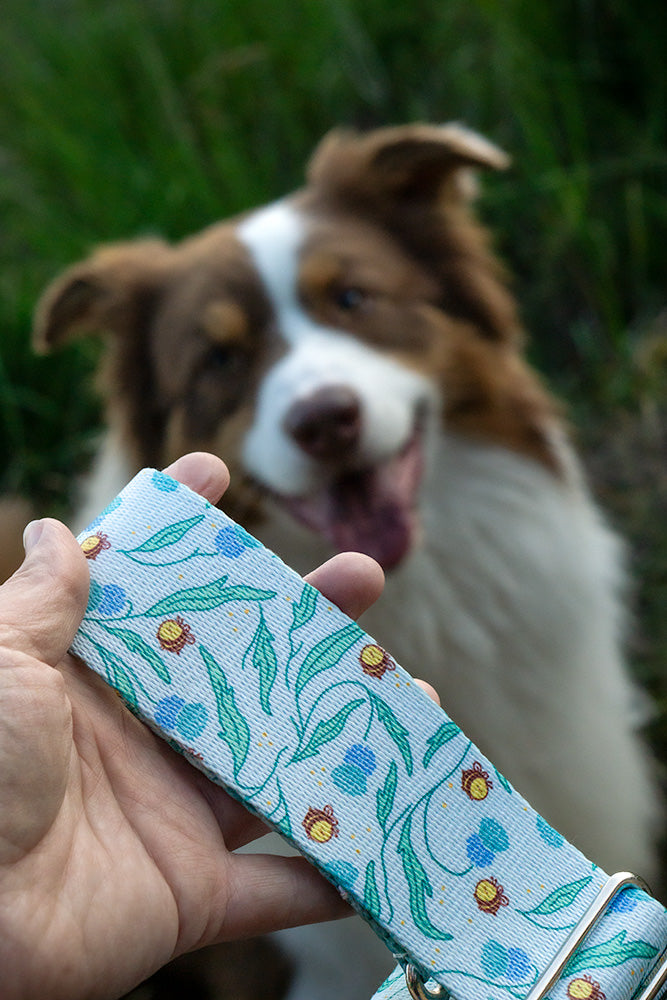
(326, 424)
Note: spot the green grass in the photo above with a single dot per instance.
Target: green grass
(159, 116)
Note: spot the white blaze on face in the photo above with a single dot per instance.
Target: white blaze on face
(317, 356)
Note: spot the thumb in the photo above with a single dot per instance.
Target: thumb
(42, 604)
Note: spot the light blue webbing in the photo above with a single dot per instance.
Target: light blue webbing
(273, 692)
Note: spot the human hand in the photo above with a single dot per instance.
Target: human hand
(115, 854)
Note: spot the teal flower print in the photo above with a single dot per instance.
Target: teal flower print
(550, 836)
(499, 962)
(163, 483)
(94, 596)
(349, 779)
(189, 720)
(115, 503)
(494, 959)
(493, 835)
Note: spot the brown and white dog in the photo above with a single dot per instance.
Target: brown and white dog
(354, 355)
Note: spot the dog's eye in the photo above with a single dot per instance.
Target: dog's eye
(350, 298)
(221, 358)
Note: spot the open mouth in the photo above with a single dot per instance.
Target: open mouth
(371, 510)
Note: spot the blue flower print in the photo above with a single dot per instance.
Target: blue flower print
(112, 600)
(550, 836)
(477, 852)
(232, 540)
(228, 543)
(482, 847)
(518, 964)
(164, 483)
(167, 711)
(358, 764)
(625, 901)
(107, 600)
(360, 756)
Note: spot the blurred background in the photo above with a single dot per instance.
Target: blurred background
(143, 117)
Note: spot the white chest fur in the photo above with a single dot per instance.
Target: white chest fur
(512, 608)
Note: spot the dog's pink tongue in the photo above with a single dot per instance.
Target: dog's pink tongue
(373, 511)
(366, 515)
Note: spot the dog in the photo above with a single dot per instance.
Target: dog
(355, 355)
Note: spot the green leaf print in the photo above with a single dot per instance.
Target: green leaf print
(167, 536)
(206, 597)
(327, 731)
(265, 662)
(327, 653)
(612, 952)
(445, 733)
(384, 797)
(418, 885)
(240, 592)
(118, 676)
(371, 895)
(233, 726)
(395, 730)
(136, 644)
(560, 898)
(304, 609)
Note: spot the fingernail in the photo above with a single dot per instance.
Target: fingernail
(31, 534)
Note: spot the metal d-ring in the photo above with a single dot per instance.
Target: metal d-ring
(418, 989)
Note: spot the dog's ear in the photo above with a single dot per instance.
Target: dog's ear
(420, 162)
(112, 291)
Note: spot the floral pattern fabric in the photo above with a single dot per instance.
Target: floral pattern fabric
(273, 692)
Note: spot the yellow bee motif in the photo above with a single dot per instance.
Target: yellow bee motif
(94, 544)
(489, 895)
(375, 661)
(475, 782)
(584, 988)
(320, 824)
(173, 634)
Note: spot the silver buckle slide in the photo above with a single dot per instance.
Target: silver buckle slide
(419, 991)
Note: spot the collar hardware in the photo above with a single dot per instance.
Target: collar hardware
(589, 919)
(418, 989)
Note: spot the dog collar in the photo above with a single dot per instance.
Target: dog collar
(275, 694)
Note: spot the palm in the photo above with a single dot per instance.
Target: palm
(114, 852)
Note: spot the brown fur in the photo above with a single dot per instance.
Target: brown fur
(390, 215)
